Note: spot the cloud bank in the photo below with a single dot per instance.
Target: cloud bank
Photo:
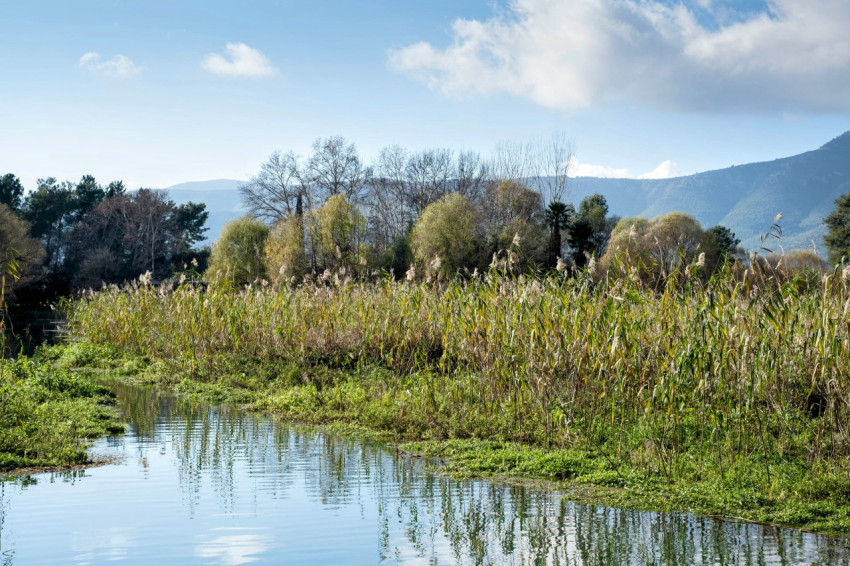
(665, 170)
(241, 61)
(578, 169)
(118, 66)
(568, 55)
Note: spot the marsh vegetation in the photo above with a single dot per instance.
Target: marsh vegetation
(728, 395)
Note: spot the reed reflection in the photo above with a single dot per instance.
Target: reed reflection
(419, 516)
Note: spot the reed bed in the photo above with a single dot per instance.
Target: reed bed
(698, 378)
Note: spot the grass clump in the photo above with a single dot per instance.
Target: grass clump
(48, 414)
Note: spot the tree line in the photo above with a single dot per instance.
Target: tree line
(427, 213)
(433, 213)
(68, 236)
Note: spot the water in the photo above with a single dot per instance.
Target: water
(209, 485)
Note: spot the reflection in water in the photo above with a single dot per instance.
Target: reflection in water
(211, 485)
(113, 544)
(233, 546)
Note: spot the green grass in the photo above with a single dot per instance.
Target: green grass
(726, 397)
(48, 414)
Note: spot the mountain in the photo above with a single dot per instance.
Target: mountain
(744, 198)
(221, 197)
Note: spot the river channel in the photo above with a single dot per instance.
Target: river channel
(200, 484)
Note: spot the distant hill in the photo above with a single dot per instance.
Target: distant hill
(744, 198)
(221, 197)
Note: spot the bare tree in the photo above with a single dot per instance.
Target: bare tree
(126, 235)
(428, 173)
(277, 191)
(388, 210)
(511, 161)
(549, 162)
(335, 168)
(472, 175)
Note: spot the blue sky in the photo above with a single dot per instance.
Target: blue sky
(157, 93)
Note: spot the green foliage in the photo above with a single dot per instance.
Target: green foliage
(11, 191)
(837, 239)
(445, 238)
(736, 385)
(718, 243)
(48, 414)
(50, 210)
(559, 217)
(190, 219)
(93, 234)
(237, 256)
(399, 256)
(591, 229)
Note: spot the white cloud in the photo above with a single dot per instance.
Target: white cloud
(118, 66)
(579, 169)
(666, 170)
(241, 61)
(570, 55)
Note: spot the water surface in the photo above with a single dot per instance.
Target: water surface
(210, 485)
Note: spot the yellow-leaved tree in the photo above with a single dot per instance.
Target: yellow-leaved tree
(338, 229)
(237, 255)
(285, 257)
(446, 236)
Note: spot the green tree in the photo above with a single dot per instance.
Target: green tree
(399, 256)
(191, 219)
(445, 238)
(837, 238)
(718, 243)
(11, 191)
(49, 210)
(591, 229)
(559, 217)
(673, 241)
(237, 255)
(85, 196)
(53, 209)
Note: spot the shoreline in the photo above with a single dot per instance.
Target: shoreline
(356, 403)
(30, 470)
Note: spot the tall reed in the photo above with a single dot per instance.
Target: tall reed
(692, 377)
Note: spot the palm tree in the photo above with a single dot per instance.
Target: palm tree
(559, 216)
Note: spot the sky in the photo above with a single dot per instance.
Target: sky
(156, 93)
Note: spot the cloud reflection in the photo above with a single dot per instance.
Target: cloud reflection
(235, 546)
(113, 544)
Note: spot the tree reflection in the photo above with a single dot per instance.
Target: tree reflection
(421, 516)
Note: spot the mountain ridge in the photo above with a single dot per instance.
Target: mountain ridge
(745, 198)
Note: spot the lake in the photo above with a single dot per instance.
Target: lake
(199, 484)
